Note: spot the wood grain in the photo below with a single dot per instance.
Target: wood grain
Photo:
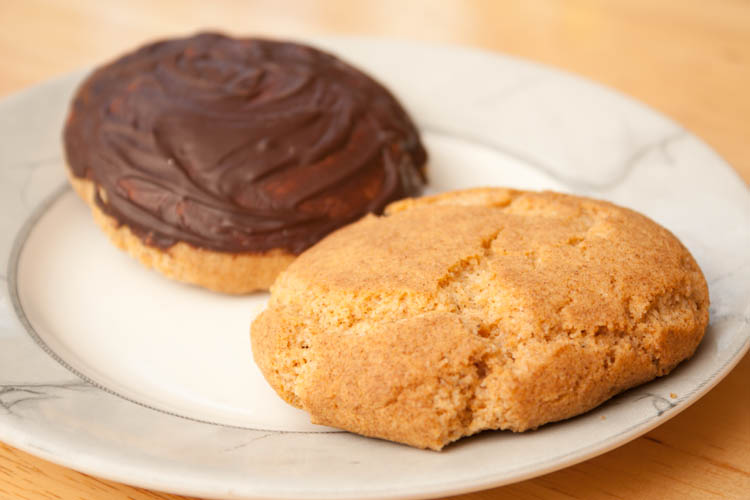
(689, 59)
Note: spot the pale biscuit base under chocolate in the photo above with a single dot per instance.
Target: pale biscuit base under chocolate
(480, 309)
(218, 271)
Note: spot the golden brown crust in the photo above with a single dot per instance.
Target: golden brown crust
(479, 309)
(218, 271)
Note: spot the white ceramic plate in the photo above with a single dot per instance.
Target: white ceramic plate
(110, 369)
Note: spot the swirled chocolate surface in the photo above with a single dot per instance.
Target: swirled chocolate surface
(239, 145)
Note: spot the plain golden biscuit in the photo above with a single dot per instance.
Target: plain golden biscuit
(479, 309)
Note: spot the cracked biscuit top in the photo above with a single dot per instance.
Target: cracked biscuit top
(479, 309)
(239, 145)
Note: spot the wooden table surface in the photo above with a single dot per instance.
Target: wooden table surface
(690, 59)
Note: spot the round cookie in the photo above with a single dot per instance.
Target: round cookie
(478, 309)
(217, 160)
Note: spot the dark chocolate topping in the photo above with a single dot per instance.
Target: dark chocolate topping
(240, 145)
